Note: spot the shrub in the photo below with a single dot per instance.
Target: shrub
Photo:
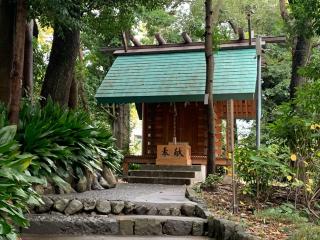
(66, 142)
(259, 168)
(211, 182)
(15, 184)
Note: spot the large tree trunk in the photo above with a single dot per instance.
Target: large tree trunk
(73, 96)
(209, 81)
(300, 57)
(28, 62)
(121, 127)
(18, 60)
(60, 70)
(6, 47)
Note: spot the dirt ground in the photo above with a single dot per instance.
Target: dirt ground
(220, 204)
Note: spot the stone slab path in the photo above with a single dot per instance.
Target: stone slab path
(149, 194)
(52, 237)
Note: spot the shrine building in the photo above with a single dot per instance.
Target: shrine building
(167, 85)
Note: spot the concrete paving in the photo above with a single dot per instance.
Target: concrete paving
(159, 194)
(64, 237)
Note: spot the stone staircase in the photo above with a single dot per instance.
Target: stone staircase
(169, 175)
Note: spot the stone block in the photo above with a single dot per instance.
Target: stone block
(126, 227)
(177, 227)
(117, 207)
(188, 209)
(197, 228)
(74, 206)
(61, 204)
(103, 206)
(146, 227)
(89, 204)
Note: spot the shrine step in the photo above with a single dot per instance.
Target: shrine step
(172, 168)
(160, 180)
(163, 173)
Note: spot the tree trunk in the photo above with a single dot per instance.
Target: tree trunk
(73, 96)
(28, 62)
(209, 81)
(121, 127)
(6, 47)
(59, 75)
(300, 58)
(18, 60)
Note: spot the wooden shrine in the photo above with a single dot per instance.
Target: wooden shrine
(167, 84)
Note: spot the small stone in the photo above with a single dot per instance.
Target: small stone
(128, 207)
(188, 209)
(141, 210)
(46, 206)
(61, 204)
(89, 204)
(108, 175)
(197, 228)
(147, 227)
(103, 206)
(152, 211)
(177, 227)
(201, 212)
(175, 211)
(49, 189)
(96, 185)
(39, 189)
(104, 183)
(82, 185)
(93, 214)
(126, 227)
(117, 207)
(73, 207)
(164, 212)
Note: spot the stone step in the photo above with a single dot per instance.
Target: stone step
(160, 180)
(162, 173)
(171, 168)
(143, 225)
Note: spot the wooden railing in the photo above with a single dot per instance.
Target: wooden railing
(151, 159)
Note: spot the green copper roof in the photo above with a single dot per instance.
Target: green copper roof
(175, 77)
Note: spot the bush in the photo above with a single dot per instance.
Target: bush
(210, 184)
(15, 184)
(260, 168)
(66, 142)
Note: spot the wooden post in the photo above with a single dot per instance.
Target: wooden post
(160, 39)
(134, 40)
(230, 147)
(258, 93)
(209, 80)
(186, 37)
(124, 41)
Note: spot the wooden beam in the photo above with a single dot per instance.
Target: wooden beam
(160, 39)
(124, 41)
(135, 40)
(200, 45)
(186, 37)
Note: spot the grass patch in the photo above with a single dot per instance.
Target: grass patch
(284, 214)
(306, 232)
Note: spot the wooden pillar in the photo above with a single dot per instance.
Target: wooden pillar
(230, 140)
